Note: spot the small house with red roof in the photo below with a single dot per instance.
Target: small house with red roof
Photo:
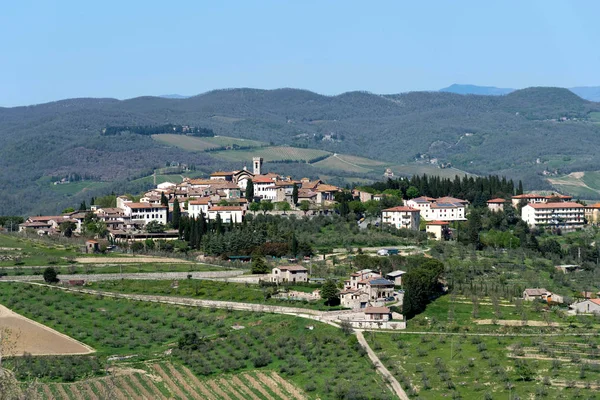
(437, 229)
(496, 205)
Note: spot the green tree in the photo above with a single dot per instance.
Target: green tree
(294, 245)
(412, 192)
(254, 207)
(155, 227)
(305, 206)
(67, 228)
(68, 210)
(250, 190)
(176, 214)
(259, 265)
(330, 293)
(283, 206)
(163, 199)
(266, 206)
(82, 206)
(520, 188)
(50, 275)
(295, 194)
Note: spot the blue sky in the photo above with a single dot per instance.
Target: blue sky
(129, 48)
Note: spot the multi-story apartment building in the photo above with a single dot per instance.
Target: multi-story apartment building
(564, 215)
(402, 217)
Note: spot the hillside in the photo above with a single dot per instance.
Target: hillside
(591, 93)
(519, 135)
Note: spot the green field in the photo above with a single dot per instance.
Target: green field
(70, 189)
(595, 116)
(213, 290)
(420, 169)
(350, 163)
(583, 185)
(322, 361)
(203, 143)
(276, 153)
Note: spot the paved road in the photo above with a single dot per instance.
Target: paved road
(137, 275)
(383, 371)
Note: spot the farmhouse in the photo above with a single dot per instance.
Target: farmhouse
(437, 229)
(441, 209)
(589, 306)
(535, 294)
(289, 273)
(377, 314)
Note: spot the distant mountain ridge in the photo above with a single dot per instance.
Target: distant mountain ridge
(591, 93)
(526, 134)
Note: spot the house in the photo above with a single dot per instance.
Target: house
(92, 246)
(437, 229)
(142, 213)
(377, 314)
(441, 209)
(227, 214)
(362, 195)
(496, 205)
(289, 273)
(592, 214)
(588, 306)
(402, 217)
(378, 288)
(396, 277)
(564, 215)
(264, 187)
(353, 298)
(358, 276)
(567, 268)
(535, 294)
(199, 207)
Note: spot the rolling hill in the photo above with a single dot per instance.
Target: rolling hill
(520, 135)
(591, 93)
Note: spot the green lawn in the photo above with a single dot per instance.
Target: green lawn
(70, 189)
(341, 163)
(33, 251)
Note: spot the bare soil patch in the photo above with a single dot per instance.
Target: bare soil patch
(37, 339)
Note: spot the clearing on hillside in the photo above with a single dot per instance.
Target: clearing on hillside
(171, 381)
(350, 163)
(276, 153)
(22, 335)
(584, 185)
(203, 143)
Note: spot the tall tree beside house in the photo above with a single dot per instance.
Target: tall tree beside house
(259, 265)
(83, 206)
(176, 214)
(50, 275)
(294, 245)
(305, 206)
(330, 293)
(219, 224)
(266, 206)
(295, 194)
(520, 188)
(254, 207)
(163, 199)
(67, 228)
(250, 190)
(421, 286)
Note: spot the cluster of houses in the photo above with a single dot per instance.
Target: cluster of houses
(586, 303)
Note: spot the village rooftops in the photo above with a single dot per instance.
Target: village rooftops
(199, 182)
(566, 204)
(423, 199)
(453, 200)
(327, 188)
(202, 201)
(222, 173)
(380, 282)
(526, 196)
(226, 208)
(536, 292)
(496, 201)
(293, 268)
(133, 205)
(597, 205)
(48, 218)
(262, 179)
(401, 209)
(377, 310)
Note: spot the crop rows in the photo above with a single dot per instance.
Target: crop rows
(169, 381)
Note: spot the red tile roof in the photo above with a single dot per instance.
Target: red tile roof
(377, 310)
(565, 204)
(437, 223)
(262, 179)
(498, 201)
(200, 202)
(144, 205)
(226, 208)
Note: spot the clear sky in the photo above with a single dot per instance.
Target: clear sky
(131, 48)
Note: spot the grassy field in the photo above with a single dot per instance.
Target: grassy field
(16, 250)
(200, 143)
(342, 162)
(275, 153)
(109, 269)
(322, 361)
(594, 116)
(213, 290)
(584, 185)
(420, 169)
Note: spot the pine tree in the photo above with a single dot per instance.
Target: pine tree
(82, 206)
(176, 214)
(163, 200)
(520, 189)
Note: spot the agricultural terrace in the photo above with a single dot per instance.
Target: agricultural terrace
(349, 163)
(209, 290)
(277, 153)
(165, 380)
(323, 362)
(204, 143)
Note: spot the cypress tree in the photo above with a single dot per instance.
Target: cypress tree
(295, 194)
(176, 214)
(250, 190)
(163, 200)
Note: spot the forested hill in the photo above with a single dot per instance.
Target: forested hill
(516, 135)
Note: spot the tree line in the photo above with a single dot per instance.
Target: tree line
(158, 129)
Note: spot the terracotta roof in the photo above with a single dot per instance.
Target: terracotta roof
(144, 205)
(497, 200)
(595, 301)
(565, 204)
(401, 209)
(226, 208)
(529, 196)
(200, 202)
(201, 181)
(437, 223)
(262, 179)
(448, 199)
(350, 291)
(423, 199)
(222, 173)
(377, 310)
(47, 218)
(597, 205)
(327, 188)
(292, 268)
(535, 292)
(34, 224)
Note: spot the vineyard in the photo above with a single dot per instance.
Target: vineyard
(201, 144)
(350, 163)
(172, 381)
(277, 153)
